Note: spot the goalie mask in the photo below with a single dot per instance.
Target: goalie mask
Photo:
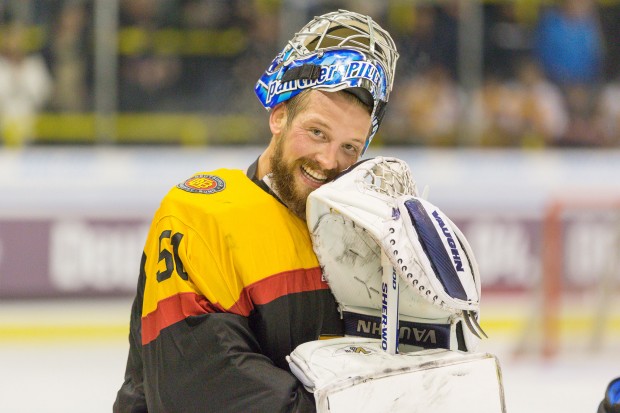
(373, 209)
(341, 50)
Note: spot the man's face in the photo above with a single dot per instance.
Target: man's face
(324, 138)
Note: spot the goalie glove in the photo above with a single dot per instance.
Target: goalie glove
(353, 374)
(372, 209)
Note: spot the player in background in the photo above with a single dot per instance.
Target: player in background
(229, 283)
(611, 401)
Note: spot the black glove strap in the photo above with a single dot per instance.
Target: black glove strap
(430, 335)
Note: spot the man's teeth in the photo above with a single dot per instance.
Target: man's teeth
(313, 174)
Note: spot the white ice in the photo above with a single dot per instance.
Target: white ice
(71, 372)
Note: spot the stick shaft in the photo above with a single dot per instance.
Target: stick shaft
(389, 307)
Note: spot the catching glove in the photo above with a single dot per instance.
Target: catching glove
(372, 210)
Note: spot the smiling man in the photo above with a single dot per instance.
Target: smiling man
(229, 283)
(311, 147)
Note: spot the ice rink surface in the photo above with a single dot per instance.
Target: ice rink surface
(69, 357)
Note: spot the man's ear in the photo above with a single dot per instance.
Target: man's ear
(277, 118)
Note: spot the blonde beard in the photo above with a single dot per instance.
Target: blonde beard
(284, 184)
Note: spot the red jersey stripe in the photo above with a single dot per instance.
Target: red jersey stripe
(180, 306)
(172, 310)
(278, 285)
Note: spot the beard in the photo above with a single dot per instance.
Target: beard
(285, 184)
(283, 178)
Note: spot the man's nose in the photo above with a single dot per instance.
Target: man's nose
(328, 157)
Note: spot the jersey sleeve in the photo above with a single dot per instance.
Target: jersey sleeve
(212, 362)
(130, 397)
(188, 352)
(209, 362)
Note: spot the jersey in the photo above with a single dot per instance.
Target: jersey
(229, 286)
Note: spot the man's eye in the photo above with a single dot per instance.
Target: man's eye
(316, 132)
(351, 149)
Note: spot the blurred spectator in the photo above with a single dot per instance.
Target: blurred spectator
(427, 108)
(431, 39)
(526, 111)
(582, 129)
(201, 55)
(569, 43)
(609, 16)
(375, 9)
(69, 56)
(544, 111)
(507, 39)
(223, 28)
(148, 72)
(264, 35)
(496, 112)
(608, 113)
(25, 86)
(318, 7)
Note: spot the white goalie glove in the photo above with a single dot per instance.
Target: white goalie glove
(371, 218)
(401, 272)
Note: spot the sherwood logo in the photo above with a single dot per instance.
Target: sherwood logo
(384, 309)
(446, 232)
(384, 320)
(406, 334)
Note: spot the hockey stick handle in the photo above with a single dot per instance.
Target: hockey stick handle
(389, 306)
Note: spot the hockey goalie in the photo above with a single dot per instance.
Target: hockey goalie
(408, 289)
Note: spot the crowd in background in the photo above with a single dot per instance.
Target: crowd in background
(550, 73)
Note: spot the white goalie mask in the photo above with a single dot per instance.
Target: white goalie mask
(374, 208)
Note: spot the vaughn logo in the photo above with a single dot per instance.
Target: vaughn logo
(458, 263)
(407, 334)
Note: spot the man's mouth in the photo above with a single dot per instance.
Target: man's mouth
(313, 175)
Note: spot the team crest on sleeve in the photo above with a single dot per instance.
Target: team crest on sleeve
(203, 184)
